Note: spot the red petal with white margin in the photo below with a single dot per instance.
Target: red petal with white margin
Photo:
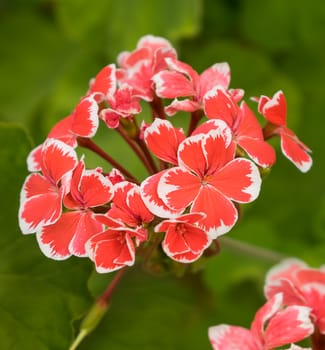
(57, 160)
(215, 124)
(218, 104)
(182, 237)
(137, 206)
(186, 257)
(218, 74)
(295, 151)
(153, 202)
(285, 269)
(68, 236)
(178, 188)
(288, 326)
(34, 159)
(105, 82)
(239, 180)
(185, 105)
(172, 84)
(111, 250)
(85, 117)
(259, 151)
(163, 140)
(62, 131)
(221, 214)
(225, 337)
(40, 204)
(95, 188)
(275, 109)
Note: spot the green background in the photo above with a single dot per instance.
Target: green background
(48, 52)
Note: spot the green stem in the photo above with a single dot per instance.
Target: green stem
(89, 144)
(97, 311)
(251, 250)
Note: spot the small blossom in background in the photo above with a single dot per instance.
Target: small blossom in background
(273, 326)
(198, 175)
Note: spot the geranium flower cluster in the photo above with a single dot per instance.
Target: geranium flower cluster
(197, 178)
(294, 311)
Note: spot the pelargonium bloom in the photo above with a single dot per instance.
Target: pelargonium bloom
(184, 241)
(41, 194)
(275, 112)
(247, 133)
(208, 178)
(68, 235)
(122, 103)
(300, 285)
(181, 80)
(113, 248)
(273, 326)
(139, 66)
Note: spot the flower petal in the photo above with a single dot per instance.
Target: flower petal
(105, 82)
(163, 140)
(54, 239)
(177, 188)
(259, 151)
(295, 151)
(288, 326)
(34, 159)
(221, 214)
(62, 131)
(239, 180)
(218, 74)
(85, 117)
(171, 84)
(275, 109)
(225, 337)
(40, 204)
(57, 160)
(264, 314)
(153, 202)
(186, 257)
(185, 105)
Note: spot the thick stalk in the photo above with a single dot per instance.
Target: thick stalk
(195, 118)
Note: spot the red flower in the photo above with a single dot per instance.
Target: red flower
(122, 102)
(140, 65)
(128, 207)
(247, 133)
(113, 248)
(41, 195)
(184, 240)
(272, 327)
(275, 111)
(208, 179)
(300, 285)
(183, 81)
(68, 235)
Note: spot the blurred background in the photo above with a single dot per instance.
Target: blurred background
(49, 50)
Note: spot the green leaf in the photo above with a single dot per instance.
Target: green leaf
(149, 312)
(31, 60)
(39, 298)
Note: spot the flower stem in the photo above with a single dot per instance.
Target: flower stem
(89, 144)
(318, 340)
(138, 151)
(195, 118)
(251, 250)
(157, 108)
(97, 311)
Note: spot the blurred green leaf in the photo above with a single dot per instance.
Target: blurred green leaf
(39, 298)
(149, 312)
(123, 22)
